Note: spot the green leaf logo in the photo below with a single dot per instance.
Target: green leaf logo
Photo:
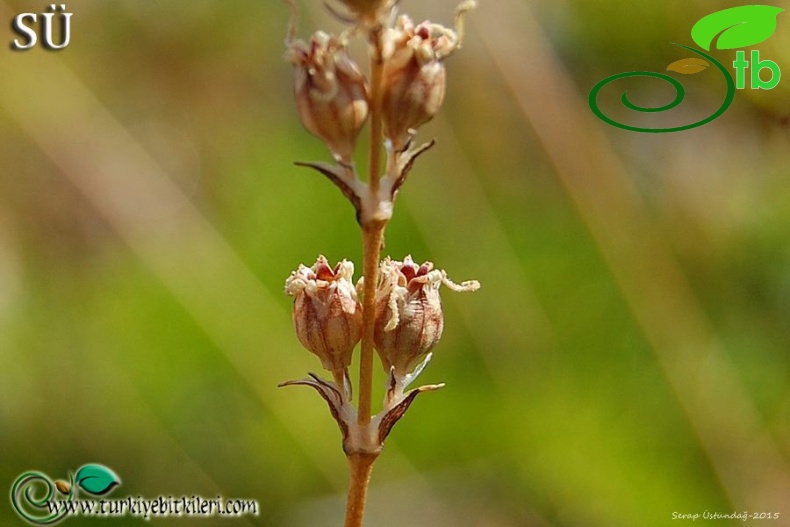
(96, 479)
(737, 27)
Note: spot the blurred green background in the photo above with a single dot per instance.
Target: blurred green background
(625, 359)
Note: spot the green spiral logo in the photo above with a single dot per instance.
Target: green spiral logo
(680, 94)
(731, 28)
(32, 494)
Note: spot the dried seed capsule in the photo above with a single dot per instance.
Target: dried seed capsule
(331, 93)
(414, 76)
(326, 315)
(409, 317)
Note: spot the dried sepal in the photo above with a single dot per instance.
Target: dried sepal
(327, 315)
(330, 90)
(397, 384)
(414, 74)
(394, 414)
(409, 320)
(403, 162)
(413, 80)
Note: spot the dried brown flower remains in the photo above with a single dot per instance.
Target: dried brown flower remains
(394, 309)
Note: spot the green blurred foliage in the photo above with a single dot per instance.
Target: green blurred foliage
(557, 412)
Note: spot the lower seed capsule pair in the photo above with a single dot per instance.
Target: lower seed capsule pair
(409, 320)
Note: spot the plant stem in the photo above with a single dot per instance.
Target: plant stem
(360, 467)
(339, 376)
(376, 76)
(372, 237)
(372, 230)
(362, 458)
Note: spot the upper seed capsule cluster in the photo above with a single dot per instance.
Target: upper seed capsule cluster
(333, 96)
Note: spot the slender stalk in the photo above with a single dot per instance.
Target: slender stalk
(361, 461)
(360, 467)
(339, 376)
(372, 231)
(372, 237)
(376, 76)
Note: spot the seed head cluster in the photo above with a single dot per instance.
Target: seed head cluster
(395, 309)
(327, 314)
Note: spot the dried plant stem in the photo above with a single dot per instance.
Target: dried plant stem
(360, 467)
(334, 98)
(372, 237)
(376, 76)
(361, 461)
(339, 376)
(372, 231)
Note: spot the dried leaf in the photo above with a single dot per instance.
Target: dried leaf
(343, 176)
(394, 415)
(330, 393)
(688, 66)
